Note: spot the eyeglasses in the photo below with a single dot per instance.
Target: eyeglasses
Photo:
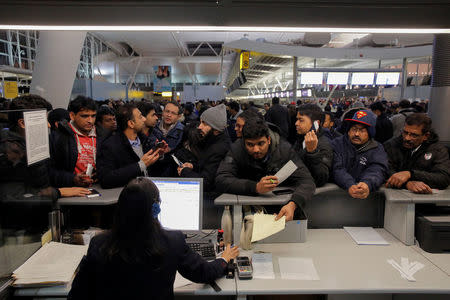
(357, 129)
(413, 135)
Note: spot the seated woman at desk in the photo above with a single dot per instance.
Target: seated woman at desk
(138, 259)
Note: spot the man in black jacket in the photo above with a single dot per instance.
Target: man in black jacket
(214, 146)
(279, 116)
(312, 145)
(249, 167)
(383, 128)
(125, 156)
(417, 160)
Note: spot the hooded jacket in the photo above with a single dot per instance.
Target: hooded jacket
(368, 164)
(318, 162)
(429, 164)
(239, 172)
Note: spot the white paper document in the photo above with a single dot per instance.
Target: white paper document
(263, 266)
(180, 281)
(53, 263)
(286, 171)
(406, 269)
(297, 268)
(264, 225)
(365, 236)
(36, 136)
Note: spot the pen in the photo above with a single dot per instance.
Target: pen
(271, 180)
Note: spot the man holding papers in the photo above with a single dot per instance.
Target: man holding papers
(250, 165)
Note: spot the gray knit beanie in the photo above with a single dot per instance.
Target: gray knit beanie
(216, 117)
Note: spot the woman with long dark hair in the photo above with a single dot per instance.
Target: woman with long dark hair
(138, 259)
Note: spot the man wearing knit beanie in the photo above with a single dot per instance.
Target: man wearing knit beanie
(214, 146)
(360, 163)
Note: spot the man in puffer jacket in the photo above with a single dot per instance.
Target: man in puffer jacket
(417, 161)
(360, 163)
(249, 167)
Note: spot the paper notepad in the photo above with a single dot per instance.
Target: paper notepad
(365, 236)
(265, 225)
(262, 266)
(286, 171)
(297, 268)
(180, 281)
(53, 264)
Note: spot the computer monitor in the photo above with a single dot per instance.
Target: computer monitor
(181, 202)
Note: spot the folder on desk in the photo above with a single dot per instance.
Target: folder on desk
(53, 264)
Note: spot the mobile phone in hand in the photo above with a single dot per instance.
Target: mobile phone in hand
(94, 193)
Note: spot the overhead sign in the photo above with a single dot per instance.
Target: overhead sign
(245, 60)
(11, 89)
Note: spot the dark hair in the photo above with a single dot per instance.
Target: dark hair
(419, 119)
(312, 111)
(254, 129)
(378, 106)
(180, 109)
(23, 103)
(58, 115)
(329, 113)
(145, 107)
(251, 114)
(404, 103)
(81, 103)
(124, 114)
(136, 236)
(275, 100)
(234, 105)
(103, 111)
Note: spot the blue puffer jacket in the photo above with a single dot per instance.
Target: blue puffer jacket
(350, 165)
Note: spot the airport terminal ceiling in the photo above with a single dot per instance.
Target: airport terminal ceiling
(299, 13)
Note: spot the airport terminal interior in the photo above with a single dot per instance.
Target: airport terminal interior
(312, 136)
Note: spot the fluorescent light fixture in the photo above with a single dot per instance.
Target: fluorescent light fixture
(166, 94)
(387, 78)
(225, 29)
(337, 78)
(311, 78)
(362, 78)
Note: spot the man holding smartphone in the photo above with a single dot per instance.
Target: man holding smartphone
(312, 145)
(126, 155)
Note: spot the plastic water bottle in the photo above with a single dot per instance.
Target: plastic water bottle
(227, 225)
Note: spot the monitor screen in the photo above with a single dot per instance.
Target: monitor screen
(362, 78)
(311, 77)
(337, 78)
(388, 78)
(181, 203)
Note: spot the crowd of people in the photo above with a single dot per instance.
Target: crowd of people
(235, 147)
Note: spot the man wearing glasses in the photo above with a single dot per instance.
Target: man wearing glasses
(360, 163)
(417, 161)
(169, 128)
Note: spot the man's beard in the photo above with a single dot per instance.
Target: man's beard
(205, 138)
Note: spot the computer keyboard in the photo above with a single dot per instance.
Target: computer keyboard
(203, 247)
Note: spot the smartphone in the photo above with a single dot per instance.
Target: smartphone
(94, 193)
(283, 192)
(315, 126)
(158, 145)
(244, 267)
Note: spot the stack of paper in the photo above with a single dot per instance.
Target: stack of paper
(53, 264)
(365, 236)
(262, 266)
(297, 268)
(264, 225)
